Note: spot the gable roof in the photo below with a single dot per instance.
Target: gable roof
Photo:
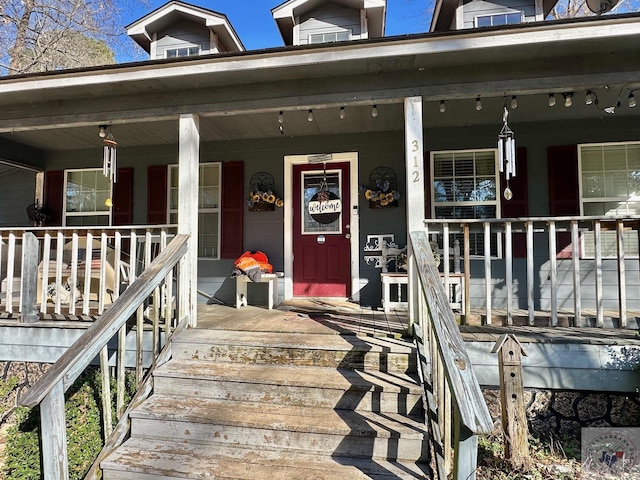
(142, 30)
(444, 12)
(285, 14)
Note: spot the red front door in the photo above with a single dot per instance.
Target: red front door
(321, 236)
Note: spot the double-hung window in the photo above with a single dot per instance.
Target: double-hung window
(465, 183)
(208, 207)
(610, 186)
(85, 198)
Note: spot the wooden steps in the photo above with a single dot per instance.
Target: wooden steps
(258, 405)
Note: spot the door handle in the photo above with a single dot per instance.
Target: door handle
(347, 236)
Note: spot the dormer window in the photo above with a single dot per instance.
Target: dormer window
(499, 19)
(330, 37)
(181, 52)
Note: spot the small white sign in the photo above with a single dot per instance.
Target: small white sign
(330, 206)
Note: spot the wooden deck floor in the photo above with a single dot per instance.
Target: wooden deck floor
(340, 317)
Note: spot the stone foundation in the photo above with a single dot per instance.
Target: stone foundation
(564, 413)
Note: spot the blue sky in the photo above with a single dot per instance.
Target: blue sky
(256, 28)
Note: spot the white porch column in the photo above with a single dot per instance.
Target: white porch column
(189, 162)
(414, 161)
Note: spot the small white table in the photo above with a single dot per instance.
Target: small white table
(389, 279)
(269, 278)
(456, 290)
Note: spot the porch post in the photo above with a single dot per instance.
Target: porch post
(414, 162)
(188, 162)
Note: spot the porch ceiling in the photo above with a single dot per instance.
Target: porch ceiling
(238, 96)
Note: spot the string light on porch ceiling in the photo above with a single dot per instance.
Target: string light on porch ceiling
(507, 153)
(109, 156)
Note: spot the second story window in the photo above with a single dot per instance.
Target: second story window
(181, 52)
(329, 37)
(499, 19)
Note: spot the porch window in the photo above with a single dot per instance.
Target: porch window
(610, 186)
(499, 19)
(330, 37)
(208, 207)
(181, 52)
(85, 200)
(465, 183)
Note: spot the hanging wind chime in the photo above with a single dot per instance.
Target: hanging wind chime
(109, 157)
(507, 153)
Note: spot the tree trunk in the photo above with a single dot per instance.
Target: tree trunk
(21, 37)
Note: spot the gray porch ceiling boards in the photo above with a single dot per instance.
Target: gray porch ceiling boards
(238, 96)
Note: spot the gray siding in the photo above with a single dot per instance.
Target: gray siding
(17, 191)
(329, 18)
(181, 35)
(264, 230)
(480, 7)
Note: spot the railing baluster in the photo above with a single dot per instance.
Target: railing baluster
(11, 254)
(104, 265)
(530, 274)
(622, 280)
(88, 260)
(106, 391)
(117, 264)
(139, 343)
(467, 273)
(445, 260)
(575, 256)
(466, 452)
(58, 281)
(1, 249)
(74, 273)
(121, 370)
(553, 272)
(597, 237)
(508, 268)
(488, 283)
(44, 276)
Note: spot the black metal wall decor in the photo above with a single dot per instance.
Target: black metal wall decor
(261, 195)
(382, 191)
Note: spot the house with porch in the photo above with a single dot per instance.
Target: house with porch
(312, 152)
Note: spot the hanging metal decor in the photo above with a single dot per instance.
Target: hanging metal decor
(507, 153)
(109, 157)
(325, 206)
(382, 191)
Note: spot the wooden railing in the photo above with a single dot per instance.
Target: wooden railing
(457, 412)
(75, 271)
(556, 265)
(155, 283)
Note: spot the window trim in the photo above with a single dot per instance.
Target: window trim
(334, 32)
(107, 213)
(207, 210)
(176, 49)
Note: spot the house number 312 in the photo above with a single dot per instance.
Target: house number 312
(415, 174)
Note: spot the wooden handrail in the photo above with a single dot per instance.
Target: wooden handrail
(74, 361)
(457, 366)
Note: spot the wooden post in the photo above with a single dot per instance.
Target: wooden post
(189, 164)
(414, 163)
(54, 428)
(28, 288)
(514, 416)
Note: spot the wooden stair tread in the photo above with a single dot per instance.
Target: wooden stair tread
(144, 458)
(305, 341)
(284, 375)
(280, 417)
